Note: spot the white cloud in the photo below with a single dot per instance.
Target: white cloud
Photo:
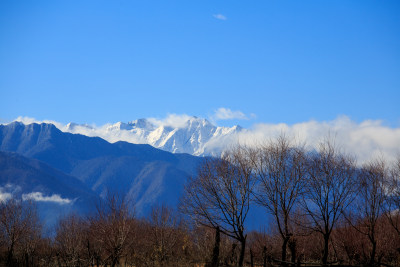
(26, 120)
(4, 196)
(7, 192)
(172, 120)
(38, 196)
(220, 17)
(105, 131)
(365, 140)
(228, 114)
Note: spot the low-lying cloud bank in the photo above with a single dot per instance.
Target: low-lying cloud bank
(5, 196)
(39, 197)
(366, 140)
(10, 191)
(7, 191)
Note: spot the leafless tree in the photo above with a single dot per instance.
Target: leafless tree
(19, 230)
(220, 195)
(93, 247)
(393, 196)
(368, 206)
(260, 246)
(31, 241)
(70, 240)
(139, 251)
(330, 190)
(280, 168)
(166, 235)
(110, 228)
(201, 241)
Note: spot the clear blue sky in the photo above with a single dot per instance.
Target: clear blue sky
(284, 61)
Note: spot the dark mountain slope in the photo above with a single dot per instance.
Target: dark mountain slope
(56, 193)
(146, 174)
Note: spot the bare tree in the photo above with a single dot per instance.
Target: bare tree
(70, 240)
(368, 207)
(31, 241)
(393, 196)
(201, 242)
(93, 247)
(166, 235)
(330, 190)
(259, 251)
(220, 195)
(280, 168)
(19, 225)
(111, 227)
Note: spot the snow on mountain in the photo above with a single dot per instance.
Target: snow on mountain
(194, 136)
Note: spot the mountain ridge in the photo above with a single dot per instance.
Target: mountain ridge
(55, 192)
(139, 172)
(195, 136)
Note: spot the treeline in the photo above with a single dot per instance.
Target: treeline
(323, 209)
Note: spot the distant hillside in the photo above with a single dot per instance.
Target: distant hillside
(55, 192)
(144, 174)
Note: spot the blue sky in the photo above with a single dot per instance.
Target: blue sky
(269, 61)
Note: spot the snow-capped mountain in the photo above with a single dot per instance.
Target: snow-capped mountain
(194, 136)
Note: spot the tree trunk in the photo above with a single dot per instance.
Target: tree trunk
(265, 256)
(373, 253)
(292, 247)
(10, 255)
(251, 258)
(215, 253)
(27, 262)
(326, 250)
(233, 258)
(284, 246)
(242, 251)
(114, 262)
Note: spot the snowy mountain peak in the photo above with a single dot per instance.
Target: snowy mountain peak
(141, 123)
(199, 122)
(196, 136)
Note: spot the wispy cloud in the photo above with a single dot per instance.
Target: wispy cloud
(172, 120)
(7, 192)
(220, 17)
(10, 191)
(38, 196)
(228, 114)
(5, 196)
